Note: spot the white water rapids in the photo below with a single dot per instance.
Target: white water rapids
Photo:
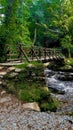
(59, 81)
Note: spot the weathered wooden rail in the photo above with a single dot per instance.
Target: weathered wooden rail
(33, 53)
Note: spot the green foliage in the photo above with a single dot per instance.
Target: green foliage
(66, 42)
(70, 26)
(10, 21)
(32, 94)
(67, 39)
(23, 34)
(16, 26)
(69, 62)
(51, 106)
(42, 22)
(22, 66)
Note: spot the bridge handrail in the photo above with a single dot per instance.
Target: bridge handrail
(32, 52)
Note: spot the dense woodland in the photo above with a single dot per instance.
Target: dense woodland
(47, 23)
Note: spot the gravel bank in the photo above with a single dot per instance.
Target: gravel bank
(14, 117)
(30, 120)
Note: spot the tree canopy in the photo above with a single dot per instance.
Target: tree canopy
(45, 23)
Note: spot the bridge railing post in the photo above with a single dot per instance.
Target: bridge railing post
(19, 52)
(44, 53)
(39, 53)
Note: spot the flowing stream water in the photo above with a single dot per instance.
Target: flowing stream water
(61, 84)
(59, 81)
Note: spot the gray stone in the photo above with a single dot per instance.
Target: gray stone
(18, 70)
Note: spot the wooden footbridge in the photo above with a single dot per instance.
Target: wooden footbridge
(33, 53)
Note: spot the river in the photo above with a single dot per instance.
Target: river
(61, 86)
